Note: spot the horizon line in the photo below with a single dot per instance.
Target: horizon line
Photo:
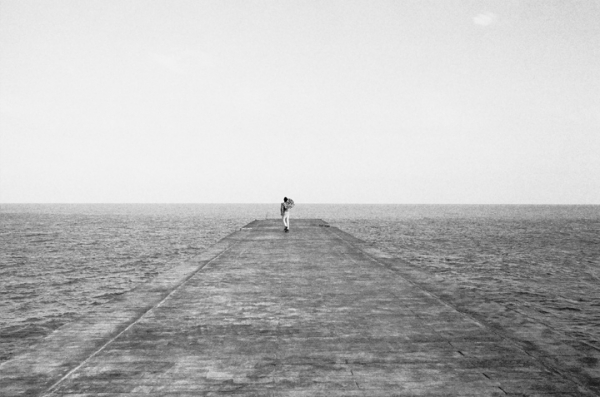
(271, 203)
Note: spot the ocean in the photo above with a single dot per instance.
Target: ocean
(58, 262)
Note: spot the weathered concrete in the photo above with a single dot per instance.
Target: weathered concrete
(305, 313)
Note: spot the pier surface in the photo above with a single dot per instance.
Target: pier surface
(313, 312)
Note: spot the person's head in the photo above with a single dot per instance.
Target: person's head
(285, 199)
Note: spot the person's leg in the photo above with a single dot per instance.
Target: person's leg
(286, 220)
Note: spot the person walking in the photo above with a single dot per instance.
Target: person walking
(285, 213)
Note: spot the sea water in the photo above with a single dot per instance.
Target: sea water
(58, 262)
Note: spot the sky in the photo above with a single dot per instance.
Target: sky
(408, 102)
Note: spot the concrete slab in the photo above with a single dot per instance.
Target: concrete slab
(306, 313)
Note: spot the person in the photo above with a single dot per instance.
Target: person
(285, 213)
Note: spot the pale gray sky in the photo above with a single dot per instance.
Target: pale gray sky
(323, 101)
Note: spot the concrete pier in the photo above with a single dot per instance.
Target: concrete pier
(265, 313)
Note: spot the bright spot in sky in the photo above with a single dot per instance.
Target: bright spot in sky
(484, 19)
(170, 63)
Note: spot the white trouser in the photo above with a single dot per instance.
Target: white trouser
(286, 219)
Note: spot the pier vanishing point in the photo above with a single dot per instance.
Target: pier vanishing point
(313, 312)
